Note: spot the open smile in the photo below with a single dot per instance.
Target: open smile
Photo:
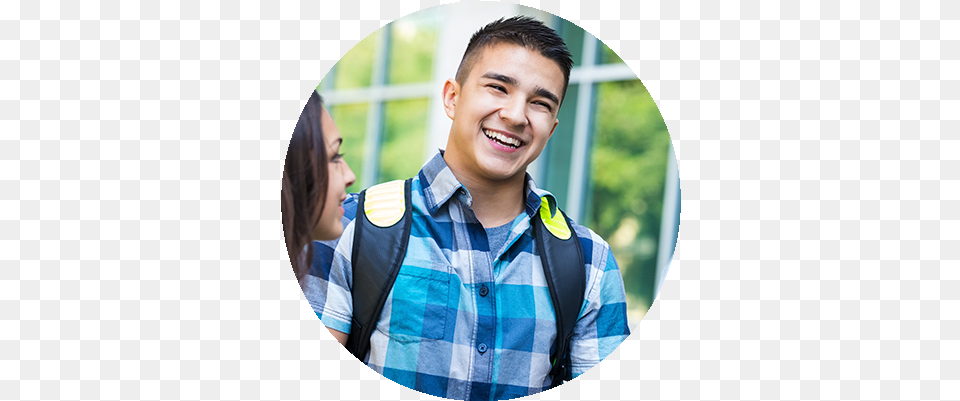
(503, 139)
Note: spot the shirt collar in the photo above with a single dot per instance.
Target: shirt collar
(439, 185)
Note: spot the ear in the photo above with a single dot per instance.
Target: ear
(451, 91)
(556, 122)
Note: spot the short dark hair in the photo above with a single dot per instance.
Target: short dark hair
(304, 185)
(522, 31)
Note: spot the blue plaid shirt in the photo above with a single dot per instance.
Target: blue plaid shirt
(463, 321)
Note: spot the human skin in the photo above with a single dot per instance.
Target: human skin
(511, 92)
(339, 177)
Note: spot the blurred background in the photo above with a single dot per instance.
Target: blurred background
(610, 162)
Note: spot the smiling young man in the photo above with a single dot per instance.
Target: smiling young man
(470, 315)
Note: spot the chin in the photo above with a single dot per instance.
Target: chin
(503, 176)
(497, 169)
(331, 233)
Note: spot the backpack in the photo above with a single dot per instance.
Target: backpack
(382, 230)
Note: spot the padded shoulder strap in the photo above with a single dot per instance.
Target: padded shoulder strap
(379, 245)
(563, 266)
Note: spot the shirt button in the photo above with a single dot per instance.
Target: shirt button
(484, 291)
(482, 348)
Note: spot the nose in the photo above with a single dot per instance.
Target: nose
(348, 177)
(514, 111)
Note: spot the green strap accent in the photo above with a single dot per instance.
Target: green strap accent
(554, 222)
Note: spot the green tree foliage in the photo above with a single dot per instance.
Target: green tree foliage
(608, 56)
(411, 52)
(355, 69)
(628, 166)
(401, 151)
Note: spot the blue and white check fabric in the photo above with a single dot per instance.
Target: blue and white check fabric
(464, 321)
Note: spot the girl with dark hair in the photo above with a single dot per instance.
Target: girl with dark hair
(315, 179)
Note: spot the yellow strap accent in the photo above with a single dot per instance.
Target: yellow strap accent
(384, 203)
(554, 222)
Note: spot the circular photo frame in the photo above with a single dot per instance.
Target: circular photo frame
(409, 149)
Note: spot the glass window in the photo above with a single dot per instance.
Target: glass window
(406, 48)
(572, 35)
(405, 132)
(351, 120)
(412, 45)
(628, 164)
(558, 152)
(355, 69)
(607, 55)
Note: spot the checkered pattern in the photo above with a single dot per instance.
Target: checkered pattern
(141, 254)
(439, 332)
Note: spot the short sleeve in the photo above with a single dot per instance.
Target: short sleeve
(603, 324)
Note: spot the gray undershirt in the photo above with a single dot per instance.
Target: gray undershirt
(497, 236)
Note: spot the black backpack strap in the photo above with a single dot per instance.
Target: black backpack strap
(375, 268)
(563, 267)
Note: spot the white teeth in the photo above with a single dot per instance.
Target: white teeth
(503, 138)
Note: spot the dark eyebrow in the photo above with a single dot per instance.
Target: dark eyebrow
(542, 92)
(338, 142)
(500, 77)
(547, 94)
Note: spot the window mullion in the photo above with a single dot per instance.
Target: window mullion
(669, 220)
(581, 133)
(374, 135)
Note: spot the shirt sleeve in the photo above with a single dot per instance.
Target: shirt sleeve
(603, 321)
(328, 285)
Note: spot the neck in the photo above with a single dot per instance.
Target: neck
(495, 202)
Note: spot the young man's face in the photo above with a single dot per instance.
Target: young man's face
(504, 111)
